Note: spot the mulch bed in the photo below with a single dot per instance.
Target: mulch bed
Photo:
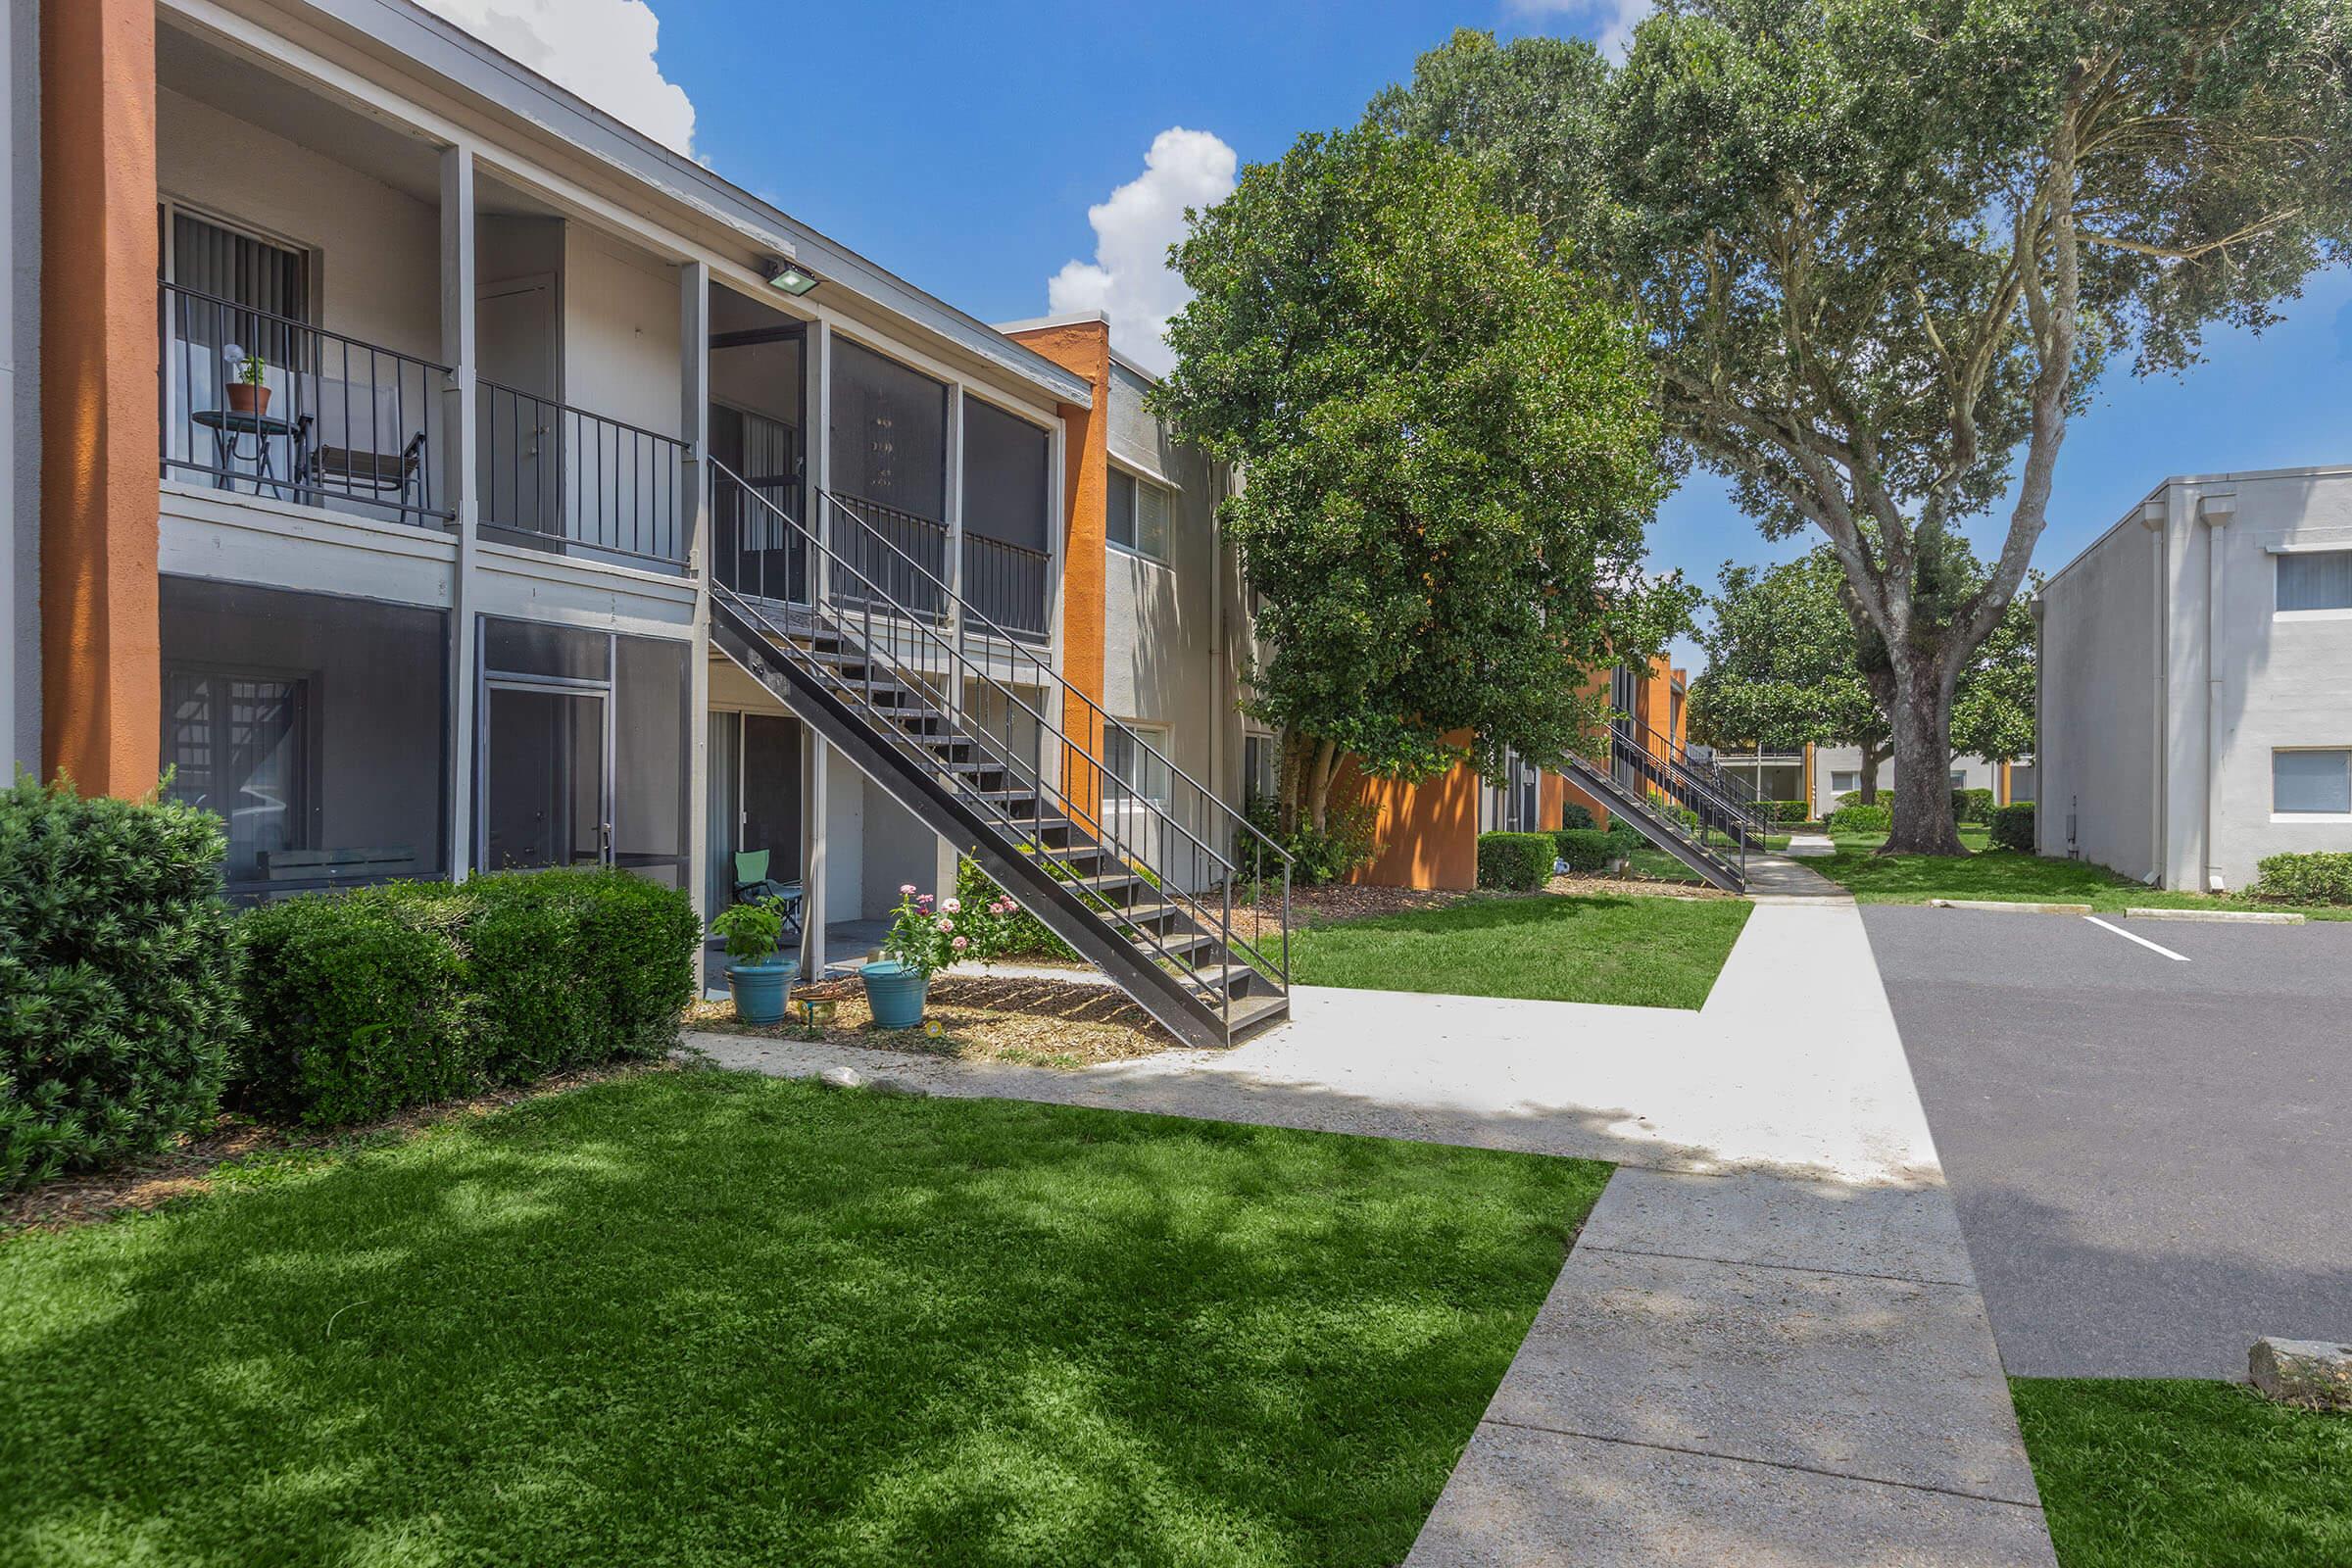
(186, 1169)
(1017, 1019)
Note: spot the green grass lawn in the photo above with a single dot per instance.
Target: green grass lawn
(2010, 876)
(1637, 951)
(2162, 1474)
(711, 1318)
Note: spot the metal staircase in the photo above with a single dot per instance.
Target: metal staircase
(1670, 801)
(1135, 865)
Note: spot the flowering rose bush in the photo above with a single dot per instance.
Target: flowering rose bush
(927, 938)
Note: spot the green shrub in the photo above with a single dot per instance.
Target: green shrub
(1520, 862)
(1585, 850)
(1972, 806)
(368, 1002)
(2306, 877)
(2013, 827)
(359, 1005)
(1574, 818)
(1790, 810)
(1861, 819)
(1625, 835)
(119, 1006)
(1331, 856)
(1849, 798)
(1004, 933)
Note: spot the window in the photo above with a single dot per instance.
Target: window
(235, 291)
(2314, 579)
(1959, 778)
(1136, 757)
(2312, 783)
(890, 433)
(1138, 520)
(1262, 769)
(1845, 780)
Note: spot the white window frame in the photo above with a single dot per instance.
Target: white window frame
(2284, 818)
(1853, 775)
(2279, 556)
(1157, 737)
(1142, 480)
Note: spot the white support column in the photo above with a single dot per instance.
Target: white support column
(2215, 510)
(943, 871)
(815, 807)
(815, 798)
(694, 498)
(460, 430)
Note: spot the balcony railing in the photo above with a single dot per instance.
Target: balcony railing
(886, 549)
(593, 485)
(1006, 583)
(264, 405)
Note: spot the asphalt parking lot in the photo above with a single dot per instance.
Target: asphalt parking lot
(2152, 1154)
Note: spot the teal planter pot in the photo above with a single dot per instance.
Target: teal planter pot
(895, 992)
(759, 990)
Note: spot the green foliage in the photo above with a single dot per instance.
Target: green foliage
(927, 939)
(1883, 250)
(1790, 810)
(2013, 827)
(751, 931)
(1520, 862)
(1972, 806)
(1330, 855)
(368, 1002)
(1783, 668)
(119, 1001)
(1624, 834)
(360, 1006)
(1584, 850)
(1573, 816)
(1450, 451)
(1860, 819)
(1993, 707)
(998, 923)
(2313, 877)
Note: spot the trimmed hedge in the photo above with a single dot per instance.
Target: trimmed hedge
(1584, 850)
(1789, 811)
(1861, 819)
(1972, 806)
(1574, 818)
(118, 1004)
(368, 1002)
(2013, 827)
(1625, 835)
(1518, 861)
(2313, 876)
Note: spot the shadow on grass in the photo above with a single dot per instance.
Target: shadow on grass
(703, 1316)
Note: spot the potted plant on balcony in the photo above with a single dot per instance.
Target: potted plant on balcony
(246, 392)
(923, 939)
(757, 975)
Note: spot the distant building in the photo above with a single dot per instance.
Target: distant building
(2196, 680)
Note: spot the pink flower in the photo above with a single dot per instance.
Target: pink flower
(959, 944)
(945, 925)
(1000, 907)
(906, 890)
(924, 901)
(951, 906)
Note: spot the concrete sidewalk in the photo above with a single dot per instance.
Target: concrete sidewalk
(1766, 1348)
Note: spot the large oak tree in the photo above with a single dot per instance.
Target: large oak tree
(1883, 251)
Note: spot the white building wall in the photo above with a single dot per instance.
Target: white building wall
(2099, 711)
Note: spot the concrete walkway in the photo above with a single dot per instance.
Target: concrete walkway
(1766, 1348)
(1778, 876)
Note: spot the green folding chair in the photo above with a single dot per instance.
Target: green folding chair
(753, 885)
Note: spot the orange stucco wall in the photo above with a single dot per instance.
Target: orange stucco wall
(101, 661)
(1081, 348)
(1426, 833)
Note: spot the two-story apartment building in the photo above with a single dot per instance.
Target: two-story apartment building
(2196, 680)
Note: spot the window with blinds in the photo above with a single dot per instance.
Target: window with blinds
(2314, 579)
(1138, 520)
(2313, 783)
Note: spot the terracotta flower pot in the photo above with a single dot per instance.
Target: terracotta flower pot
(246, 398)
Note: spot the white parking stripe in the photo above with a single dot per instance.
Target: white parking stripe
(2177, 958)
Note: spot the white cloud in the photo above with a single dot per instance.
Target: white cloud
(600, 49)
(1614, 19)
(1129, 278)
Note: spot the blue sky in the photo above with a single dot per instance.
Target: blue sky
(962, 146)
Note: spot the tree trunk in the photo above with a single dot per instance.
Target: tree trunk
(1318, 800)
(1922, 714)
(1872, 757)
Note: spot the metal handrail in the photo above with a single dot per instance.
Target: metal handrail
(647, 510)
(1003, 569)
(1109, 836)
(1666, 750)
(1052, 677)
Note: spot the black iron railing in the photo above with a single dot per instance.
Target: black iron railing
(1652, 766)
(261, 404)
(1007, 585)
(1035, 728)
(598, 485)
(878, 549)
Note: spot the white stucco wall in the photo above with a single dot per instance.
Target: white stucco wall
(2188, 800)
